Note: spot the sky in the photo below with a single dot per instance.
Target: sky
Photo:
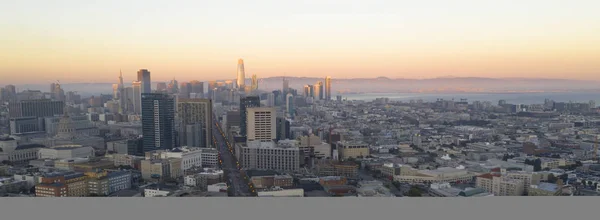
(90, 41)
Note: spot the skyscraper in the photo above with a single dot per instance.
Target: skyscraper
(161, 87)
(143, 76)
(173, 86)
(197, 89)
(158, 121)
(122, 95)
(241, 75)
(318, 90)
(137, 97)
(247, 102)
(254, 86)
(308, 91)
(185, 89)
(270, 99)
(286, 86)
(289, 104)
(261, 124)
(192, 112)
(328, 88)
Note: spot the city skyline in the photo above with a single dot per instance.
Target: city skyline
(538, 39)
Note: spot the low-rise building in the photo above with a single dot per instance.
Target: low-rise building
(62, 184)
(269, 156)
(262, 182)
(209, 157)
(11, 151)
(544, 189)
(500, 185)
(105, 183)
(332, 181)
(349, 150)
(158, 190)
(205, 178)
(65, 152)
(440, 175)
(337, 168)
(280, 192)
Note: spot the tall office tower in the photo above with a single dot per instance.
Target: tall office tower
(36, 108)
(115, 88)
(308, 91)
(286, 86)
(289, 104)
(270, 100)
(3, 95)
(143, 76)
(158, 121)
(57, 92)
(245, 103)
(173, 87)
(195, 111)
(122, 95)
(254, 86)
(185, 90)
(283, 128)
(318, 90)
(129, 99)
(328, 88)
(241, 75)
(137, 97)
(197, 88)
(261, 124)
(161, 87)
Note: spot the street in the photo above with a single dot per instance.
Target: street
(236, 181)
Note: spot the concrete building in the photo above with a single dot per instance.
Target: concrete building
(80, 123)
(314, 146)
(26, 125)
(205, 178)
(349, 150)
(11, 151)
(192, 112)
(544, 189)
(158, 190)
(155, 169)
(105, 183)
(336, 168)
(268, 156)
(270, 181)
(190, 156)
(245, 103)
(210, 157)
(65, 152)
(261, 124)
(439, 175)
(66, 184)
(280, 192)
(35, 108)
(126, 160)
(136, 97)
(500, 185)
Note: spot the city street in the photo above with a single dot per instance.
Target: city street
(237, 182)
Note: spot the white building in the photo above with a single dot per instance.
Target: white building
(261, 124)
(279, 192)
(269, 156)
(210, 157)
(11, 151)
(65, 152)
(217, 187)
(190, 156)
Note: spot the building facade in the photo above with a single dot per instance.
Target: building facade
(245, 103)
(158, 121)
(196, 111)
(261, 124)
(269, 156)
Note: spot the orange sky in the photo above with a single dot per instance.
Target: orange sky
(81, 42)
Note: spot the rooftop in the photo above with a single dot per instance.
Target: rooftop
(551, 187)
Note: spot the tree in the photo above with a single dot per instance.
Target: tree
(552, 178)
(414, 192)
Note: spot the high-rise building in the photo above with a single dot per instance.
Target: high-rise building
(195, 111)
(254, 86)
(286, 86)
(270, 100)
(241, 75)
(57, 92)
(173, 86)
(328, 88)
(185, 89)
(197, 88)
(289, 104)
(143, 76)
(137, 97)
(308, 91)
(122, 96)
(161, 87)
(35, 108)
(283, 129)
(318, 90)
(158, 121)
(261, 124)
(247, 102)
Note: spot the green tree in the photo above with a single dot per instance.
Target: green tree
(414, 192)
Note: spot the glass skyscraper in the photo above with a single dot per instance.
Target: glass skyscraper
(158, 121)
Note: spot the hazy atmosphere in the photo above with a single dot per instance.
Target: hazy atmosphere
(85, 41)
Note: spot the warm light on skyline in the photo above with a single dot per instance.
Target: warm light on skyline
(83, 41)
